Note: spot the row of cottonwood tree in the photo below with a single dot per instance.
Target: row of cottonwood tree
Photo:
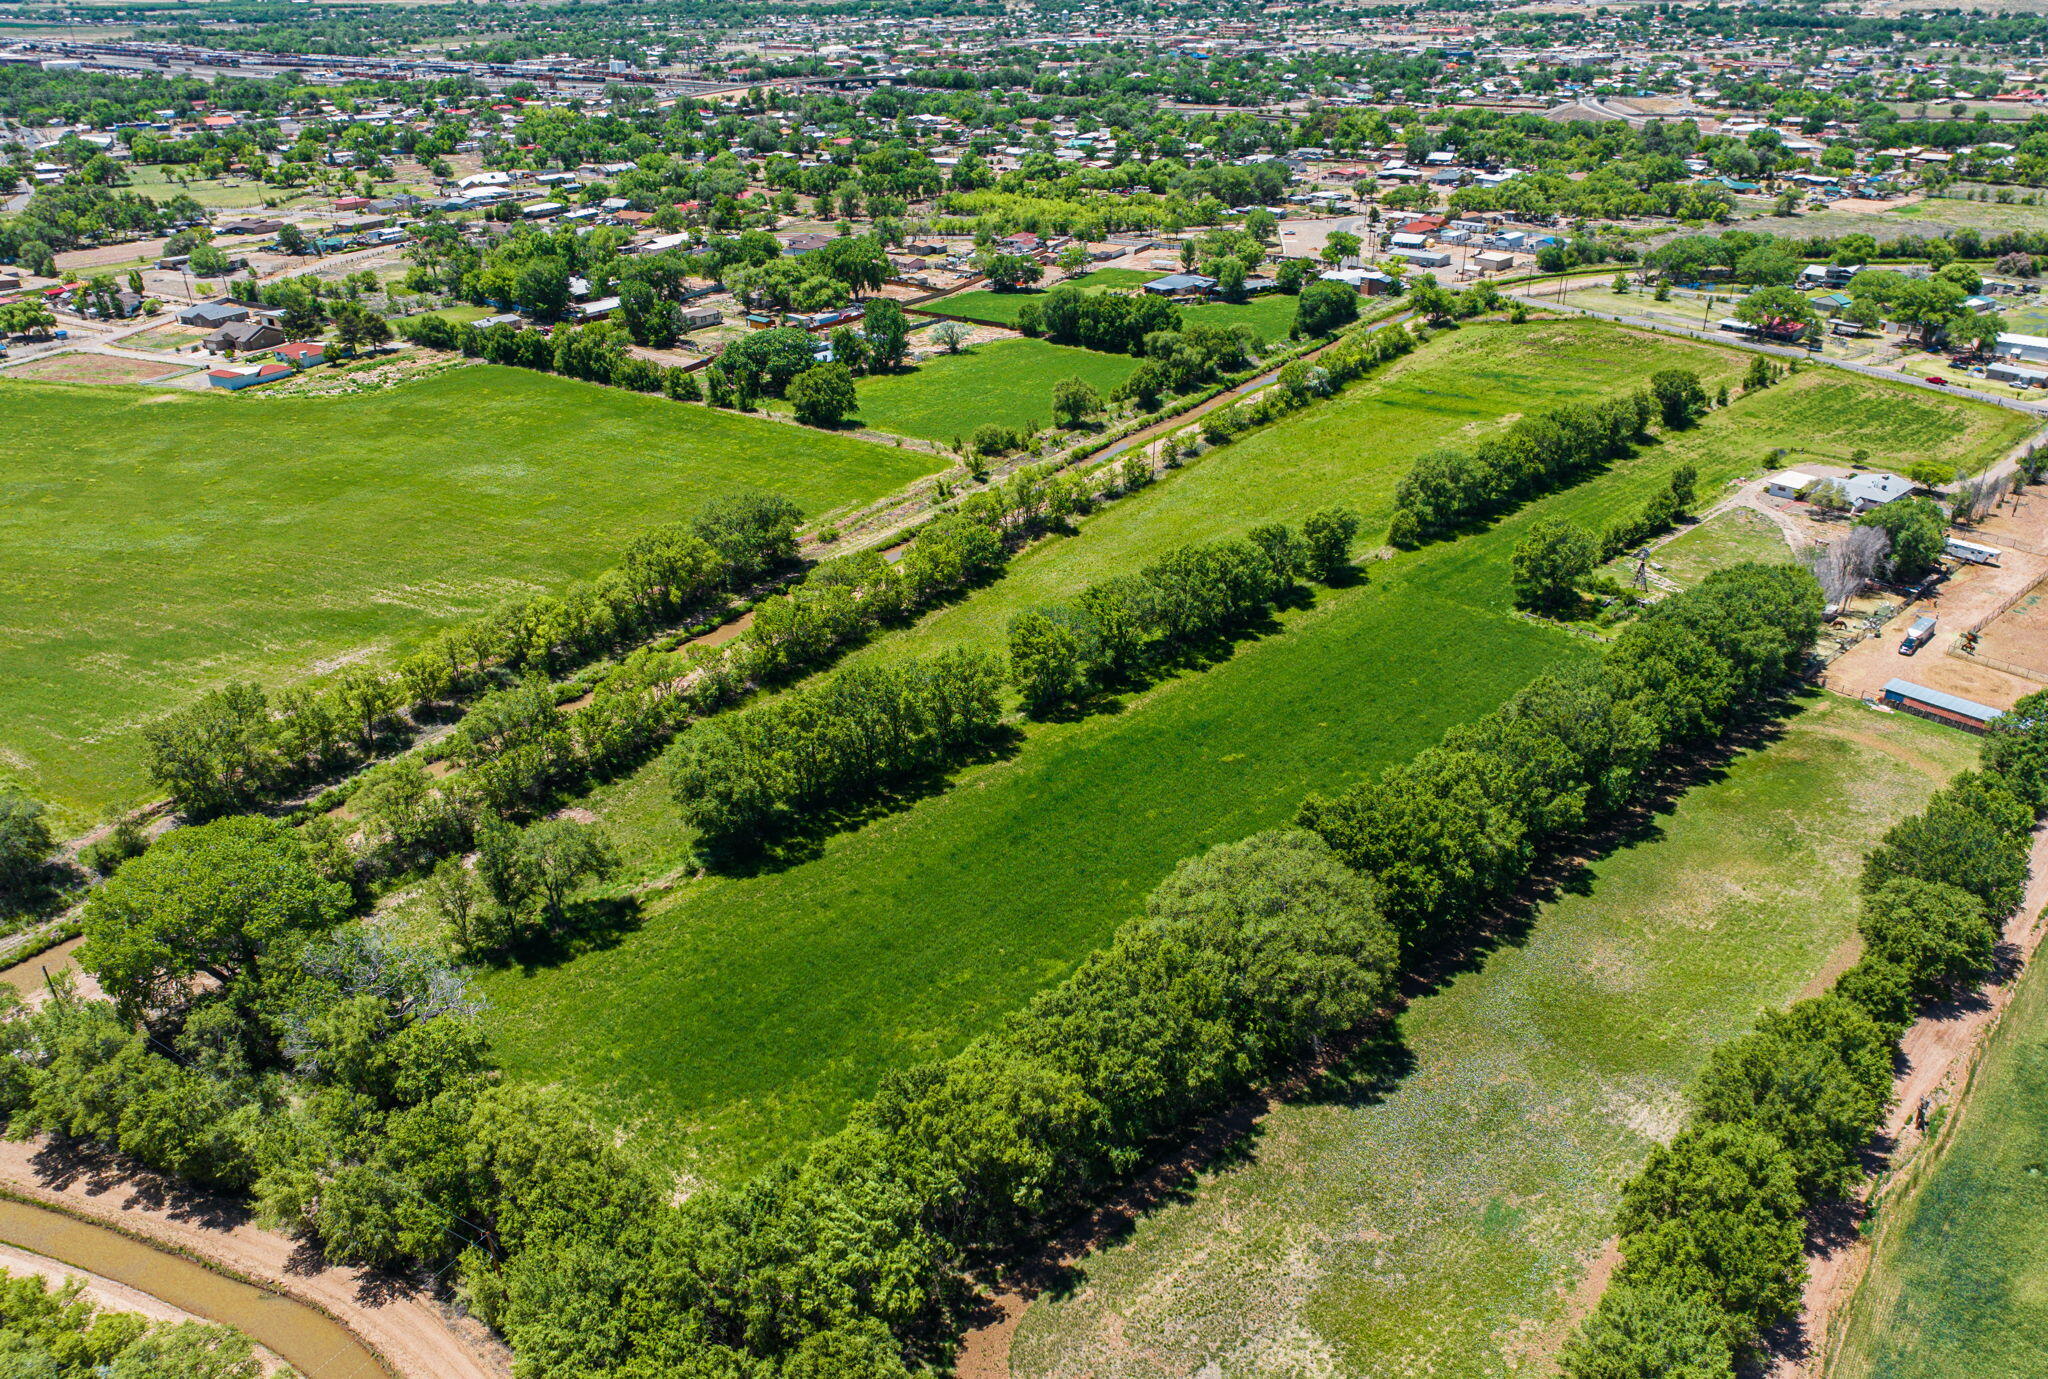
(1448, 489)
(343, 1080)
(1713, 1229)
(237, 747)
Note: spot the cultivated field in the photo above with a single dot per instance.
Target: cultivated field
(1006, 381)
(1434, 1204)
(158, 542)
(1956, 1290)
(744, 1015)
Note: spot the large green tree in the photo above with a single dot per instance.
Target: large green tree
(217, 900)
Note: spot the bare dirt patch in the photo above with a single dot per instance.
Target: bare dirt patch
(94, 368)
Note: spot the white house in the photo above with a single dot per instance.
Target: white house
(1790, 484)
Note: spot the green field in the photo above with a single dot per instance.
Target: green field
(1727, 539)
(156, 542)
(745, 1015)
(1432, 1205)
(216, 194)
(1959, 1285)
(1005, 381)
(986, 304)
(1271, 315)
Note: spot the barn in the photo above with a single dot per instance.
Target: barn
(1951, 709)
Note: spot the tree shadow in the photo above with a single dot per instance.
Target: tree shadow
(803, 840)
(1364, 1066)
(589, 925)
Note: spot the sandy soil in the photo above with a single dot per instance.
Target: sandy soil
(1938, 1054)
(1963, 601)
(408, 1329)
(94, 368)
(106, 1293)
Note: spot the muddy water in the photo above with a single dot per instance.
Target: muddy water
(27, 976)
(312, 1342)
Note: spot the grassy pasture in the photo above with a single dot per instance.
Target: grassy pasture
(746, 1014)
(1730, 538)
(155, 543)
(1271, 315)
(1957, 1288)
(1432, 1205)
(987, 304)
(1006, 381)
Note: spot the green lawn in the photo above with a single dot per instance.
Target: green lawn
(155, 542)
(986, 304)
(1731, 538)
(1959, 1287)
(747, 1014)
(1432, 1205)
(1005, 381)
(1271, 315)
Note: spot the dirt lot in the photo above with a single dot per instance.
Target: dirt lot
(2019, 636)
(93, 368)
(1966, 599)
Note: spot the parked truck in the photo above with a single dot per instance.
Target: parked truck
(1918, 635)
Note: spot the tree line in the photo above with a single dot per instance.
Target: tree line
(1713, 1228)
(1117, 627)
(741, 776)
(342, 1080)
(238, 745)
(1447, 489)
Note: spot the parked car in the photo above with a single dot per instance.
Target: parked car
(1937, 381)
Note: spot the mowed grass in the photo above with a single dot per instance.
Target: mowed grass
(1001, 308)
(1433, 1205)
(746, 1015)
(156, 543)
(1729, 538)
(1959, 1287)
(1004, 381)
(1271, 315)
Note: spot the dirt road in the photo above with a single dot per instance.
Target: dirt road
(1938, 1054)
(408, 1330)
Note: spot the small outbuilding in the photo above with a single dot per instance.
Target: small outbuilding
(1939, 706)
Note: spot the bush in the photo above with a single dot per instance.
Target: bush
(123, 841)
(25, 843)
(1649, 1333)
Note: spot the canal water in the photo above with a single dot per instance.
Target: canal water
(310, 1341)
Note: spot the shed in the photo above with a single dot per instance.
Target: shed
(1789, 484)
(2033, 348)
(212, 315)
(1493, 262)
(1941, 707)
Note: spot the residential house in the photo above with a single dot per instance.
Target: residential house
(212, 315)
(244, 337)
(243, 375)
(302, 354)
